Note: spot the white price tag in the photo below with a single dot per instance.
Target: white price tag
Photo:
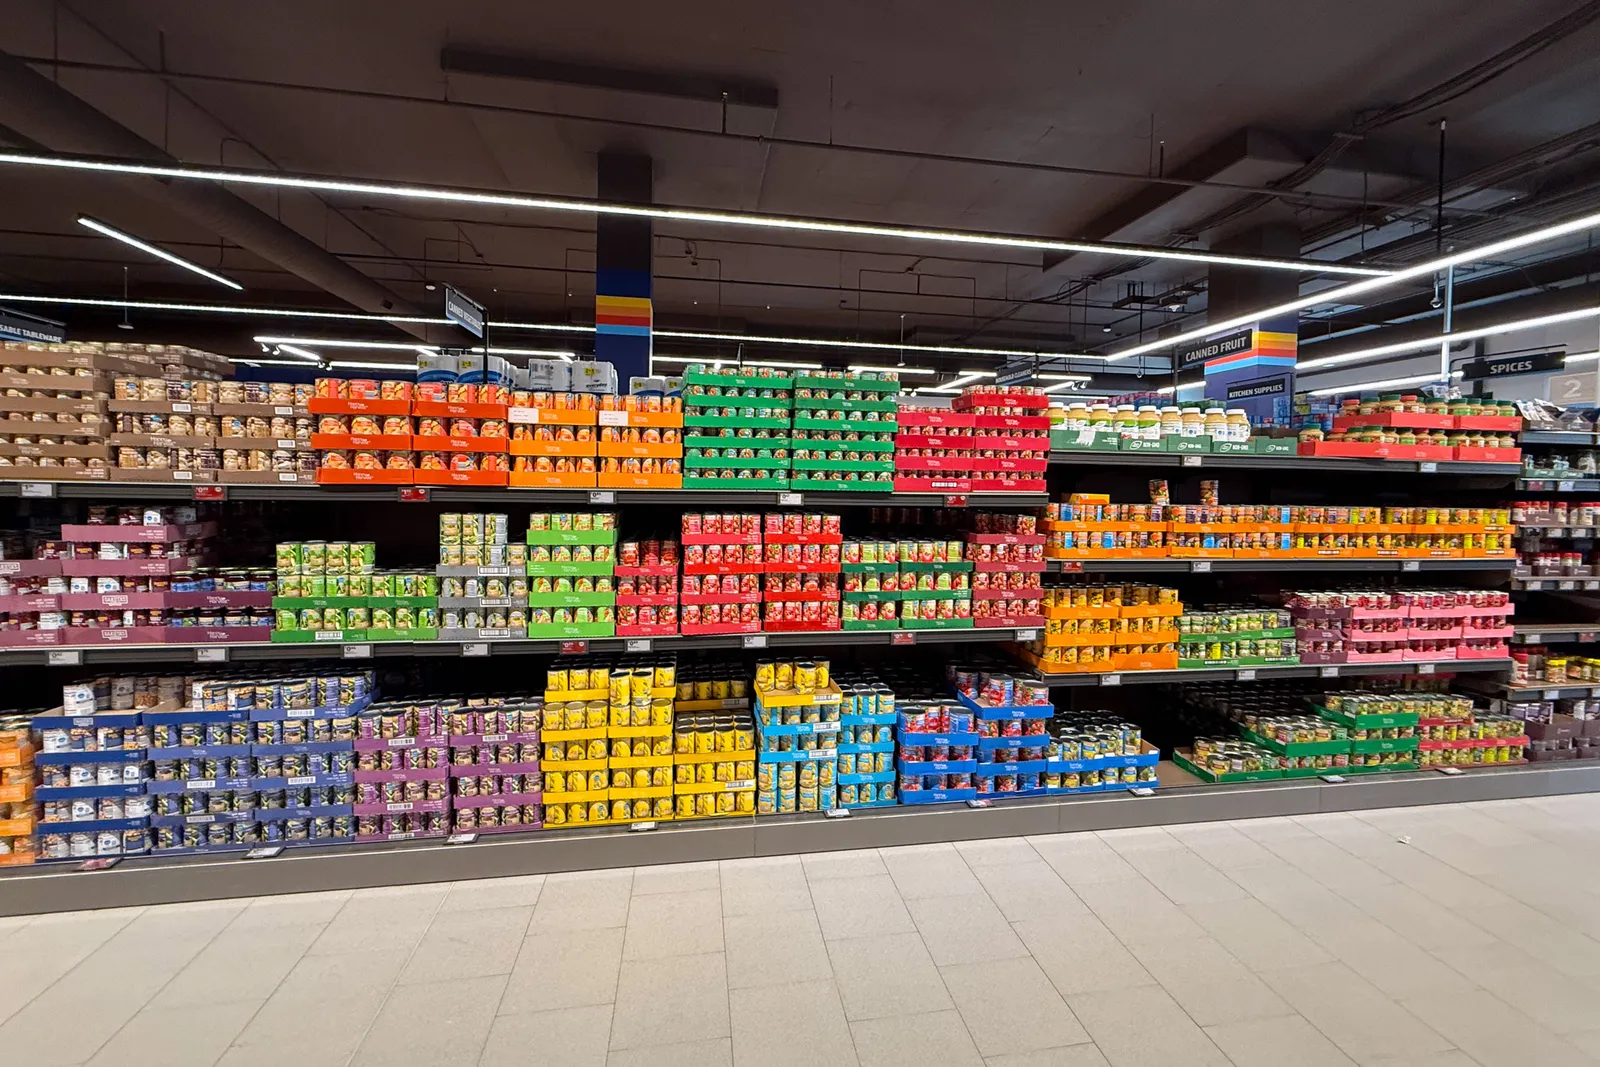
(404, 805)
(264, 853)
(1111, 679)
(357, 651)
(1426, 668)
(1190, 461)
(467, 839)
(1027, 635)
(825, 727)
(1411, 564)
(217, 654)
(524, 416)
(37, 489)
(1142, 791)
(1566, 487)
(1429, 467)
(602, 496)
(642, 827)
(839, 813)
(475, 648)
(755, 641)
(612, 418)
(1551, 694)
(638, 644)
(980, 803)
(1248, 674)
(1531, 639)
(182, 408)
(298, 780)
(1200, 566)
(64, 657)
(791, 500)
(1328, 672)
(1565, 586)
(740, 784)
(1452, 771)
(1333, 779)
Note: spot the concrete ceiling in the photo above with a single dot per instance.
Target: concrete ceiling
(1227, 91)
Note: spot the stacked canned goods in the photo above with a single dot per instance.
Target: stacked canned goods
(868, 713)
(402, 765)
(1089, 750)
(17, 811)
(92, 769)
(938, 758)
(496, 784)
(715, 764)
(797, 714)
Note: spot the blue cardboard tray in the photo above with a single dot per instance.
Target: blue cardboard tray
(66, 759)
(886, 718)
(305, 748)
(99, 718)
(202, 819)
(329, 711)
(92, 826)
(938, 739)
(320, 811)
(995, 744)
(199, 752)
(89, 792)
(965, 766)
(800, 728)
(937, 796)
(188, 715)
(863, 779)
(203, 785)
(819, 754)
(1009, 711)
(873, 746)
(1035, 766)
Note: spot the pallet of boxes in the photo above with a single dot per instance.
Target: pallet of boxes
(53, 422)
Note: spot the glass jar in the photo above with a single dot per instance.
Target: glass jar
(1149, 423)
(1238, 425)
(1216, 424)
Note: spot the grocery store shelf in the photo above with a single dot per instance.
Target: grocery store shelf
(500, 495)
(61, 655)
(1246, 461)
(1571, 438)
(1559, 485)
(1555, 633)
(54, 888)
(1298, 670)
(1556, 584)
(1534, 690)
(1552, 530)
(1200, 566)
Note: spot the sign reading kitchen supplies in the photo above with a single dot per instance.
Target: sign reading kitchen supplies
(1509, 366)
(1198, 352)
(464, 311)
(1263, 387)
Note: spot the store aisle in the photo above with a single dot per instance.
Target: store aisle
(1443, 936)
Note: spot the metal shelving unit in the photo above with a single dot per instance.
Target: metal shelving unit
(1245, 461)
(1203, 566)
(1252, 674)
(1536, 633)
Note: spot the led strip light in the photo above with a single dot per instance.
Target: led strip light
(144, 246)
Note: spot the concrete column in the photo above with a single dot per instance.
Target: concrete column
(623, 269)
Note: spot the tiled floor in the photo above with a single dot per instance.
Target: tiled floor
(1442, 936)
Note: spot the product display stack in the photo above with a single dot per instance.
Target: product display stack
(167, 430)
(640, 739)
(495, 782)
(332, 591)
(804, 558)
(713, 742)
(797, 716)
(1099, 628)
(609, 758)
(936, 580)
(736, 428)
(483, 587)
(263, 432)
(1090, 751)
(843, 431)
(402, 771)
(554, 440)
(92, 770)
(462, 433)
(1236, 636)
(871, 585)
(571, 562)
(1011, 437)
(938, 759)
(866, 742)
(18, 807)
(934, 450)
(722, 568)
(1011, 718)
(53, 421)
(641, 441)
(647, 588)
(1396, 625)
(1007, 553)
(364, 431)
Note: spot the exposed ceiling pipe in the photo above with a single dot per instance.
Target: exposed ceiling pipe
(38, 108)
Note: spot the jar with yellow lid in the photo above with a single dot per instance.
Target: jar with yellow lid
(1126, 421)
(1194, 423)
(1077, 415)
(1100, 418)
(1171, 421)
(1238, 425)
(1216, 424)
(1149, 423)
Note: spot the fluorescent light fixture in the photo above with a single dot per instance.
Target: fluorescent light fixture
(1391, 383)
(1342, 293)
(821, 342)
(337, 342)
(1060, 386)
(1582, 357)
(251, 361)
(547, 353)
(1063, 377)
(955, 385)
(440, 194)
(356, 364)
(222, 309)
(1166, 390)
(734, 363)
(303, 353)
(900, 370)
(1425, 343)
(144, 246)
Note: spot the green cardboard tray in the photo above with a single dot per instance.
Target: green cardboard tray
(572, 537)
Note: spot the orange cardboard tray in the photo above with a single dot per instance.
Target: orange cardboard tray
(551, 416)
(552, 448)
(458, 444)
(328, 405)
(639, 449)
(639, 418)
(431, 477)
(551, 480)
(614, 480)
(351, 476)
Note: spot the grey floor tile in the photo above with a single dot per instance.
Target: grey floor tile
(964, 929)
(1492, 1032)
(1001, 851)
(1138, 839)
(860, 907)
(1416, 917)
(752, 886)
(294, 909)
(929, 871)
(847, 864)
(1398, 968)
(768, 1020)
(588, 900)
(1272, 1042)
(1137, 911)
(674, 924)
(1353, 1013)
(1551, 999)
(1010, 1006)
(243, 966)
(667, 1001)
(42, 952)
(565, 1037)
(1085, 1055)
(1183, 877)
(565, 969)
(297, 1029)
(394, 904)
(363, 931)
(342, 974)
(915, 1041)
(1081, 956)
(1208, 982)
(778, 948)
(176, 1037)
(1029, 889)
(1082, 859)
(468, 944)
(1222, 846)
(1258, 936)
(888, 975)
(717, 1052)
(676, 878)
(443, 1024)
(1144, 1027)
(516, 891)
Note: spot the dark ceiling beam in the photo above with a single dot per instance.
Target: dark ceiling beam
(38, 108)
(706, 88)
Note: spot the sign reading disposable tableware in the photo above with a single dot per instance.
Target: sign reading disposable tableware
(464, 311)
(1508, 366)
(1250, 390)
(1198, 352)
(20, 326)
